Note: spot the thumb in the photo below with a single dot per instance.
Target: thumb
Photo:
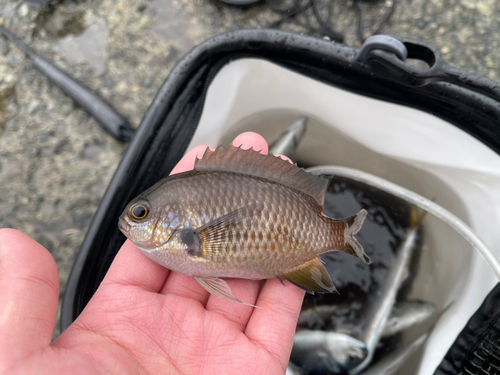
(29, 290)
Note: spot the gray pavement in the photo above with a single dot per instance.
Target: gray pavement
(56, 161)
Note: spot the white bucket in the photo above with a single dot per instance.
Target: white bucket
(406, 146)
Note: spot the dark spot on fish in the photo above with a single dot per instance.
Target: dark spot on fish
(187, 236)
(191, 238)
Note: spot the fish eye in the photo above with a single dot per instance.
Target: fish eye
(139, 211)
(354, 358)
(351, 358)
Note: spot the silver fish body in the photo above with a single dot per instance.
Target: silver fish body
(380, 305)
(407, 314)
(404, 315)
(288, 141)
(320, 351)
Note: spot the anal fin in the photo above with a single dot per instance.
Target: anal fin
(219, 288)
(311, 276)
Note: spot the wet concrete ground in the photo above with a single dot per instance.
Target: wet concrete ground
(56, 161)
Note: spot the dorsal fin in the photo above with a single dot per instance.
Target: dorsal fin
(253, 163)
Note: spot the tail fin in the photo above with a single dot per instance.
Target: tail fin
(352, 226)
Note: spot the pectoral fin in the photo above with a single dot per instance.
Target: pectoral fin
(219, 288)
(217, 231)
(311, 276)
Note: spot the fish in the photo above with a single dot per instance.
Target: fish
(241, 214)
(320, 351)
(379, 306)
(107, 116)
(404, 315)
(288, 141)
(394, 361)
(407, 314)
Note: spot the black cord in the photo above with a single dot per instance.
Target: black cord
(309, 15)
(386, 18)
(360, 26)
(284, 11)
(325, 25)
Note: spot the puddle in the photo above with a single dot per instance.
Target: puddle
(175, 25)
(64, 21)
(90, 46)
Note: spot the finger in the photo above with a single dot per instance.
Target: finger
(29, 286)
(187, 161)
(251, 140)
(273, 325)
(285, 158)
(238, 313)
(132, 268)
(185, 286)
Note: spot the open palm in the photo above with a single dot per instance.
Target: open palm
(143, 318)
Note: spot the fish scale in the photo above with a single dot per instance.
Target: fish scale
(241, 214)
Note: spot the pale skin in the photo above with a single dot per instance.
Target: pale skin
(143, 319)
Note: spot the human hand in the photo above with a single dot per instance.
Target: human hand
(143, 318)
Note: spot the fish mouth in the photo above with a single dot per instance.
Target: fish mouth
(123, 226)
